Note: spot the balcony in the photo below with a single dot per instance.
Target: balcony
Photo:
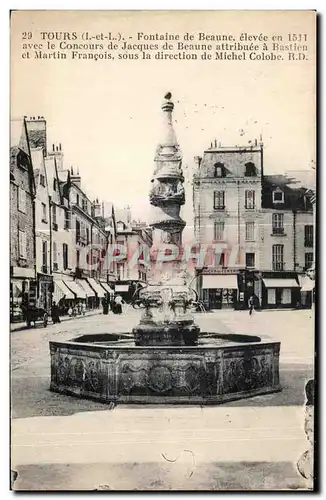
(54, 226)
(278, 266)
(44, 269)
(308, 243)
(278, 231)
(219, 207)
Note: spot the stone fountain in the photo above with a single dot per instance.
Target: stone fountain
(166, 359)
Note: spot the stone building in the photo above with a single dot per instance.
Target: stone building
(22, 220)
(131, 235)
(264, 223)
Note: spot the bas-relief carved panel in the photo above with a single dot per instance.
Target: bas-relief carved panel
(247, 372)
(163, 377)
(72, 371)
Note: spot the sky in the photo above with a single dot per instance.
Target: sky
(107, 115)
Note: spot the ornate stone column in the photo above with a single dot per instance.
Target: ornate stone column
(167, 191)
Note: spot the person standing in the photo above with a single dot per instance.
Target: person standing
(55, 313)
(118, 304)
(251, 304)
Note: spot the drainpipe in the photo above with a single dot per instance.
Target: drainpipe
(50, 222)
(294, 240)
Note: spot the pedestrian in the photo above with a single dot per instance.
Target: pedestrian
(251, 304)
(55, 313)
(70, 311)
(118, 304)
(105, 305)
(84, 308)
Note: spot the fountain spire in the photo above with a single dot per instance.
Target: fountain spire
(167, 192)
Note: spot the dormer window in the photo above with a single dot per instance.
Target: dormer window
(250, 170)
(278, 196)
(120, 226)
(218, 170)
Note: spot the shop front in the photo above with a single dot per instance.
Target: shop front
(79, 294)
(62, 296)
(307, 291)
(45, 290)
(98, 289)
(124, 290)
(281, 292)
(90, 294)
(220, 291)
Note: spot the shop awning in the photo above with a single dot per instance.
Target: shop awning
(220, 281)
(61, 291)
(307, 285)
(121, 288)
(96, 287)
(87, 289)
(76, 289)
(106, 287)
(280, 283)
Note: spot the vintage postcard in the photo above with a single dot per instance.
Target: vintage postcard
(162, 250)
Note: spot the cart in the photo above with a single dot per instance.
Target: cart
(35, 314)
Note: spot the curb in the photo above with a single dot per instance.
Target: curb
(22, 326)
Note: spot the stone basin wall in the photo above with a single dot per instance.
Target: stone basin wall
(195, 375)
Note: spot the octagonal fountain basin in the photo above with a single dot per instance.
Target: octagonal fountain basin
(110, 367)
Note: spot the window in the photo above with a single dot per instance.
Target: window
(219, 170)
(77, 258)
(87, 236)
(54, 184)
(120, 270)
(44, 213)
(77, 231)
(22, 245)
(277, 257)
(250, 170)
(250, 199)
(54, 214)
(44, 256)
(309, 236)
(278, 223)
(250, 260)
(286, 297)
(219, 259)
(250, 231)
(65, 256)
(55, 256)
(67, 219)
(77, 199)
(219, 200)
(42, 180)
(219, 231)
(278, 196)
(21, 200)
(308, 260)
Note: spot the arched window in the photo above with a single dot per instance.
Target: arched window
(218, 170)
(250, 170)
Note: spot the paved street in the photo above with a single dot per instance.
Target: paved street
(63, 442)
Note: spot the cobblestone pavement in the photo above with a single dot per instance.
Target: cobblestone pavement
(261, 436)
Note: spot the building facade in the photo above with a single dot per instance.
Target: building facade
(22, 221)
(261, 226)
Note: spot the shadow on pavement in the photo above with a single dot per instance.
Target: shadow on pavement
(160, 476)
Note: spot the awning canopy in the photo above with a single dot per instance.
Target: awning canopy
(106, 287)
(307, 284)
(96, 287)
(87, 289)
(76, 289)
(121, 288)
(280, 283)
(61, 291)
(220, 281)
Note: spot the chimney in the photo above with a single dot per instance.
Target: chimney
(75, 178)
(197, 160)
(97, 208)
(215, 142)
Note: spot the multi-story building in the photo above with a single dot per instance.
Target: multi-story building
(22, 220)
(264, 223)
(132, 236)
